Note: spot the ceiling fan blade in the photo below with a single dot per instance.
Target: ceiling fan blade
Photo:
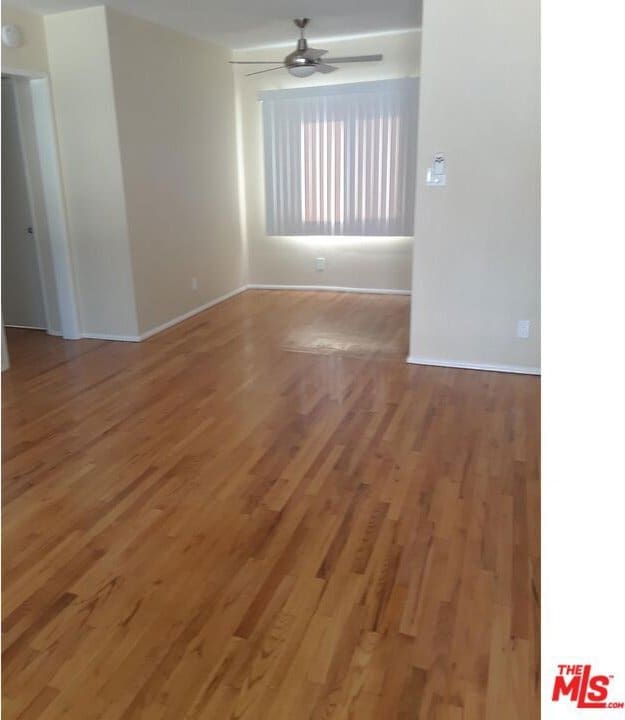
(258, 72)
(355, 58)
(313, 53)
(324, 68)
(255, 62)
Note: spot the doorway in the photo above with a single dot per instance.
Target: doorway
(22, 292)
(37, 275)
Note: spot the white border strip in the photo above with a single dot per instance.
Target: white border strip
(330, 288)
(517, 369)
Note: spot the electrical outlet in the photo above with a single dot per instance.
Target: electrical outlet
(194, 283)
(320, 264)
(523, 329)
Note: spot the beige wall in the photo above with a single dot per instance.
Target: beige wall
(147, 146)
(175, 112)
(382, 263)
(32, 56)
(82, 88)
(476, 256)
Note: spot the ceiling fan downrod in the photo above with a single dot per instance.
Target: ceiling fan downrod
(301, 24)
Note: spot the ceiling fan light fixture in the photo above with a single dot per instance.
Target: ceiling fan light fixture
(301, 70)
(304, 60)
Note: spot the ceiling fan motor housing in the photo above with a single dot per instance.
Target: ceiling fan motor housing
(297, 57)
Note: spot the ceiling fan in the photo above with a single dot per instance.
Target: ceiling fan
(305, 61)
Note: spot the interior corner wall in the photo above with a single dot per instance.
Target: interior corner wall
(82, 90)
(370, 262)
(476, 254)
(175, 103)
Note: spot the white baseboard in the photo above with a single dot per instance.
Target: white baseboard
(191, 313)
(216, 301)
(106, 336)
(54, 333)
(517, 369)
(331, 288)
(24, 327)
(166, 325)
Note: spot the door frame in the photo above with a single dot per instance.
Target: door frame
(43, 152)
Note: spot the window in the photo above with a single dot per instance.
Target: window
(340, 159)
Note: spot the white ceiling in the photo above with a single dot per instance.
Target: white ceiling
(252, 23)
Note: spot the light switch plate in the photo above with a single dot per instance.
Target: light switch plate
(433, 179)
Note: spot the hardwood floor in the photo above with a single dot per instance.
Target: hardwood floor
(265, 513)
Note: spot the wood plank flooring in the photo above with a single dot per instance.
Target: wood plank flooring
(265, 513)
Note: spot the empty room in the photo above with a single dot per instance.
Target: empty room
(271, 359)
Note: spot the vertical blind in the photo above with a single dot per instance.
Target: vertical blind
(341, 159)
